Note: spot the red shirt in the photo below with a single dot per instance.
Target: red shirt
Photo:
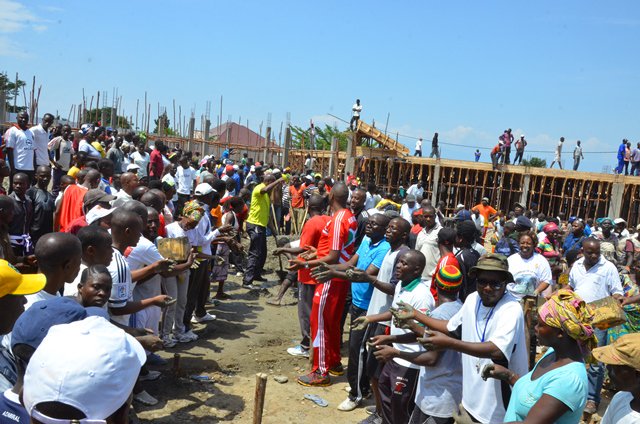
(297, 201)
(448, 259)
(155, 161)
(339, 234)
(311, 232)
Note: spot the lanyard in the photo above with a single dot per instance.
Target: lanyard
(486, 324)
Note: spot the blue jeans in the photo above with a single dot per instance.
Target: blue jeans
(595, 372)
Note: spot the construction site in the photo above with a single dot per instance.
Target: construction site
(374, 157)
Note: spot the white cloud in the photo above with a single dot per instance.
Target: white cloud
(15, 17)
(9, 48)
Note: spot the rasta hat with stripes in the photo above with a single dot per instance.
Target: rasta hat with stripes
(449, 278)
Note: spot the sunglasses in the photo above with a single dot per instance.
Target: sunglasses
(496, 285)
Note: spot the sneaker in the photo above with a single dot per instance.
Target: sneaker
(150, 376)
(372, 419)
(239, 274)
(155, 359)
(348, 405)
(298, 351)
(145, 398)
(187, 337)
(169, 341)
(336, 370)
(205, 318)
(259, 278)
(251, 287)
(314, 379)
(371, 410)
(591, 407)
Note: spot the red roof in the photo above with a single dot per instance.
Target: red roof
(240, 135)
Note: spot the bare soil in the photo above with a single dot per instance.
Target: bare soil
(248, 337)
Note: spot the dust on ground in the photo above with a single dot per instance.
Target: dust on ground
(248, 337)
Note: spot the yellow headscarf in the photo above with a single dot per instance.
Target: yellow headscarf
(568, 312)
(193, 210)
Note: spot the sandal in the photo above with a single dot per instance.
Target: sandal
(317, 400)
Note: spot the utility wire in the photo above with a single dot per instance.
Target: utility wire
(477, 147)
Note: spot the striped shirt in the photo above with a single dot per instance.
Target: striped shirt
(122, 286)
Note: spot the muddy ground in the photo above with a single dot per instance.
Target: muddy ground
(248, 337)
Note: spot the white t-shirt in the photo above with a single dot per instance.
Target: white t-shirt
(184, 180)
(503, 325)
(427, 243)
(419, 144)
(415, 190)
(41, 141)
(122, 286)
(92, 152)
(600, 281)
(527, 274)
(439, 389)
(71, 289)
(417, 295)
(619, 410)
(37, 297)
(142, 160)
(357, 108)
(23, 146)
(406, 211)
(174, 230)
(381, 302)
(144, 254)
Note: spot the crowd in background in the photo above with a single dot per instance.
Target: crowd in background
(478, 315)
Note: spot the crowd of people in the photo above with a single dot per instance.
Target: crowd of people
(469, 315)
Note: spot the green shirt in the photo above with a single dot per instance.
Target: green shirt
(260, 205)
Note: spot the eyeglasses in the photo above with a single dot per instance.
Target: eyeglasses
(495, 285)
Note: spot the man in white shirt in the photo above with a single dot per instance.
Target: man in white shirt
(41, 139)
(355, 117)
(416, 189)
(408, 208)
(489, 329)
(19, 147)
(141, 158)
(418, 147)
(577, 156)
(427, 241)
(128, 183)
(593, 277)
(558, 158)
(185, 181)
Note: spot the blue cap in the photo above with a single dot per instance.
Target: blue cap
(463, 215)
(34, 324)
(523, 221)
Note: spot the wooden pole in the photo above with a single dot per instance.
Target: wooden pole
(258, 405)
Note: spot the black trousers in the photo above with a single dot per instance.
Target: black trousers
(518, 157)
(356, 368)
(257, 252)
(507, 155)
(198, 285)
(397, 386)
(354, 119)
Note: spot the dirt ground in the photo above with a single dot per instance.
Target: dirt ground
(248, 337)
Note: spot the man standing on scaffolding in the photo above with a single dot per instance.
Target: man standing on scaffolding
(357, 109)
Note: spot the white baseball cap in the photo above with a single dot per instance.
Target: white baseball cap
(96, 213)
(132, 167)
(90, 365)
(203, 189)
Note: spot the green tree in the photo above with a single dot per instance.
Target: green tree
(167, 129)
(535, 162)
(11, 90)
(95, 115)
(301, 138)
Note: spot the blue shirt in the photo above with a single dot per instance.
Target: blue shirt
(368, 254)
(568, 384)
(11, 411)
(507, 246)
(571, 243)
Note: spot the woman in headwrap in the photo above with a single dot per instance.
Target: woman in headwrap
(608, 239)
(549, 247)
(556, 389)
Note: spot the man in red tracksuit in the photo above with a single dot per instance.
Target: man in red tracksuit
(336, 245)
